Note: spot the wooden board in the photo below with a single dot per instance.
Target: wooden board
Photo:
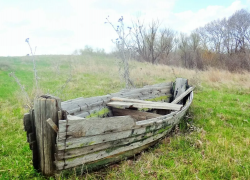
(180, 87)
(70, 153)
(68, 142)
(46, 107)
(180, 97)
(75, 104)
(134, 100)
(81, 160)
(153, 105)
(90, 166)
(92, 126)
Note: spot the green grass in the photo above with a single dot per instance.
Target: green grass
(218, 150)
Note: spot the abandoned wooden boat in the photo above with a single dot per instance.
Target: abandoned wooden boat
(92, 132)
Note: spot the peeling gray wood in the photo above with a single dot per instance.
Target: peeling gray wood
(153, 105)
(134, 100)
(70, 153)
(140, 128)
(52, 124)
(46, 107)
(69, 163)
(94, 126)
(180, 87)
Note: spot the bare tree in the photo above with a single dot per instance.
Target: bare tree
(184, 47)
(239, 24)
(152, 42)
(124, 48)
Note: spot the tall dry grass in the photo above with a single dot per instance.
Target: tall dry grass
(146, 73)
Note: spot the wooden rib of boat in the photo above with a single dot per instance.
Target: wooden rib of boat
(106, 129)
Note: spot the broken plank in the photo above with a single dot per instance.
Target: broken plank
(70, 142)
(93, 126)
(180, 87)
(155, 105)
(180, 97)
(74, 152)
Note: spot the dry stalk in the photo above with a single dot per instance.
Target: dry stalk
(34, 66)
(28, 101)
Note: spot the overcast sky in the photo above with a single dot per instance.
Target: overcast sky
(61, 26)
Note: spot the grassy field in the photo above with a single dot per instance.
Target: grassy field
(219, 148)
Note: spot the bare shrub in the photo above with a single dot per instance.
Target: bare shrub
(152, 43)
(124, 47)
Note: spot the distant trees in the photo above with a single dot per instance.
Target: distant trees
(223, 43)
(88, 50)
(228, 39)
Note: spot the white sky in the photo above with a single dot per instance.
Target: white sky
(61, 26)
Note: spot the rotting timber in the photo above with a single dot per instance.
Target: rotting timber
(92, 132)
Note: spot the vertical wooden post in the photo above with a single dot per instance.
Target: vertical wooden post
(46, 107)
(180, 87)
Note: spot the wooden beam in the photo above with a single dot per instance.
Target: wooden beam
(69, 152)
(153, 105)
(69, 163)
(132, 100)
(46, 107)
(180, 87)
(80, 127)
(52, 125)
(180, 97)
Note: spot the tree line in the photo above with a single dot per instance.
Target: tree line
(222, 43)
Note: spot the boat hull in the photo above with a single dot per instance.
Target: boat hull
(94, 152)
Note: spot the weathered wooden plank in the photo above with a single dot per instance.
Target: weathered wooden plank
(69, 163)
(137, 115)
(83, 102)
(90, 166)
(52, 124)
(46, 107)
(141, 128)
(60, 115)
(87, 107)
(70, 153)
(180, 87)
(180, 97)
(153, 105)
(134, 100)
(145, 90)
(94, 126)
